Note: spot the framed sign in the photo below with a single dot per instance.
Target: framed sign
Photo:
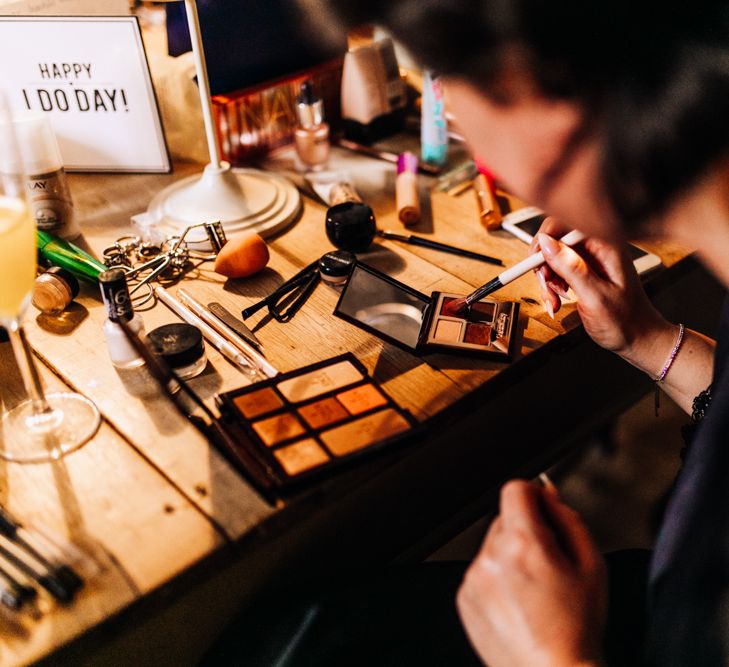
(90, 74)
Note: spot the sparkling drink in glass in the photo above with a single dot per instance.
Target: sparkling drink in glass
(43, 427)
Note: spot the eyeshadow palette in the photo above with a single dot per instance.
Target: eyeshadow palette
(403, 316)
(486, 328)
(309, 422)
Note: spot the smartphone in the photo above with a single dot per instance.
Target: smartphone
(525, 223)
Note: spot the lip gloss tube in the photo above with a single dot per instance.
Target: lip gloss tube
(406, 189)
(488, 208)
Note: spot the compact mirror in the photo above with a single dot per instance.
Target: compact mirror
(383, 306)
(401, 315)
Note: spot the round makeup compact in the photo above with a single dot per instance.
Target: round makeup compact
(54, 290)
(351, 226)
(181, 346)
(335, 266)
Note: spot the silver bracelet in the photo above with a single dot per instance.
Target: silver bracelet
(671, 357)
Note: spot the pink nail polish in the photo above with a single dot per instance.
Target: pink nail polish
(558, 290)
(549, 246)
(548, 307)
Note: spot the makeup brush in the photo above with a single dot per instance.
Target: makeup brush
(436, 245)
(63, 573)
(209, 426)
(456, 307)
(59, 589)
(14, 594)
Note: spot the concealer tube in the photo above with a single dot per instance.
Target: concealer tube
(406, 189)
(488, 208)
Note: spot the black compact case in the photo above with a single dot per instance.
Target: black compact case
(415, 322)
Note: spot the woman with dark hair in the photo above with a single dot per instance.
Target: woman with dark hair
(614, 118)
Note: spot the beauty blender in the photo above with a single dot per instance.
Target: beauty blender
(242, 256)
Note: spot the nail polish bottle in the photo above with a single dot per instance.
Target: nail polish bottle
(312, 133)
(115, 293)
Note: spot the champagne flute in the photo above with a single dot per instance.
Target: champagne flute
(43, 427)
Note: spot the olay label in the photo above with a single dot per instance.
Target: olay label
(50, 202)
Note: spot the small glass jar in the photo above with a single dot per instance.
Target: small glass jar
(181, 346)
(54, 290)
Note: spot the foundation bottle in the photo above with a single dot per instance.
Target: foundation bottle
(47, 188)
(312, 133)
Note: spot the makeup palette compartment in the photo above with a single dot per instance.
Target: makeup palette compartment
(405, 317)
(309, 422)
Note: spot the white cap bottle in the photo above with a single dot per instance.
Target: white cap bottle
(47, 188)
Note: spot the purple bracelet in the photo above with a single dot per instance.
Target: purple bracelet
(671, 357)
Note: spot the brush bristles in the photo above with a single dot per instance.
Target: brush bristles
(458, 307)
(455, 308)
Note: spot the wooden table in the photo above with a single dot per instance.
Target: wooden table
(180, 539)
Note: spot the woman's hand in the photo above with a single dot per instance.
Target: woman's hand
(535, 596)
(614, 308)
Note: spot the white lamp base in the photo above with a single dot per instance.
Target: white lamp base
(242, 199)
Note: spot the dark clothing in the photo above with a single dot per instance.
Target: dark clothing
(406, 618)
(689, 576)
(409, 616)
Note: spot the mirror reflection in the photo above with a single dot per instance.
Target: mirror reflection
(383, 306)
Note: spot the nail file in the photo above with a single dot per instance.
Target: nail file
(230, 320)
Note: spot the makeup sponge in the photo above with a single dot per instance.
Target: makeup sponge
(242, 256)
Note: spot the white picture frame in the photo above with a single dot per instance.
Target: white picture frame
(91, 75)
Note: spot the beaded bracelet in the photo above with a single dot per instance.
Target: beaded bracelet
(672, 357)
(667, 366)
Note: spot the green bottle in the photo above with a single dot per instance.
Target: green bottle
(58, 252)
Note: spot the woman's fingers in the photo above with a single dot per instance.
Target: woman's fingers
(550, 300)
(551, 226)
(522, 513)
(554, 282)
(570, 266)
(572, 529)
(609, 260)
(552, 286)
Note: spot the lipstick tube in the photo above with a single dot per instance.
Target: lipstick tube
(406, 189)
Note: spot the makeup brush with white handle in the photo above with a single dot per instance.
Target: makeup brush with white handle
(456, 307)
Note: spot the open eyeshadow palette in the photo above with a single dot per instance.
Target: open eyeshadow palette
(403, 316)
(308, 422)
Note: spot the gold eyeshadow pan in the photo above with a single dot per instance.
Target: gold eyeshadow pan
(309, 422)
(301, 456)
(405, 317)
(258, 402)
(323, 413)
(355, 435)
(278, 428)
(317, 381)
(361, 399)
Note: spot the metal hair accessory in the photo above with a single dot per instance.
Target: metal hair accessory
(145, 261)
